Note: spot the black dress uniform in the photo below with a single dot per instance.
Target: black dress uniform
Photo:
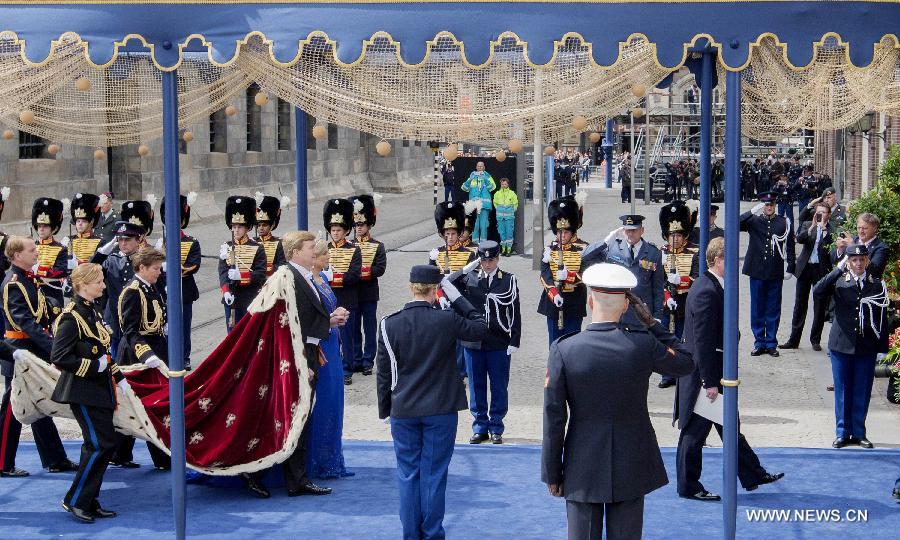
(598, 442)
(28, 317)
(189, 259)
(269, 211)
(645, 262)
(142, 318)
(245, 256)
(52, 266)
(82, 246)
(450, 215)
(564, 214)
(80, 340)
(345, 261)
(374, 264)
(714, 230)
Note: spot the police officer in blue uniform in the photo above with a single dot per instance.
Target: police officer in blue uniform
(643, 259)
(859, 332)
(190, 259)
(769, 261)
(420, 390)
(497, 293)
(599, 447)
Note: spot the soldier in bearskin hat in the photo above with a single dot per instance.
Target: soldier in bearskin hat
(52, 266)
(344, 272)
(142, 213)
(190, 265)
(374, 264)
(680, 262)
(268, 215)
(85, 213)
(452, 256)
(242, 262)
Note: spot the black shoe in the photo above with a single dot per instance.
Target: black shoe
(63, 466)
(759, 351)
(309, 489)
(496, 438)
(348, 380)
(255, 486)
(666, 383)
(840, 442)
(99, 512)
(789, 345)
(15, 472)
(124, 464)
(78, 513)
(163, 467)
(816, 347)
(703, 496)
(478, 438)
(767, 479)
(367, 371)
(830, 388)
(866, 443)
(774, 352)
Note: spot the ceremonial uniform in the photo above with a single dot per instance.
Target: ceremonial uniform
(563, 301)
(374, 264)
(82, 246)
(52, 266)
(858, 333)
(28, 317)
(269, 211)
(771, 247)
(419, 388)
(242, 263)
(345, 264)
(644, 260)
(87, 383)
(189, 262)
(497, 293)
(479, 185)
(598, 442)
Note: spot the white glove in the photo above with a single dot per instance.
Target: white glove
(510, 350)
(234, 274)
(34, 269)
(153, 362)
(103, 363)
(329, 274)
(788, 275)
(163, 267)
(386, 420)
(613, 234)
(671, 304)
(444, 303)
(19, 355)
(562, 274)
(433, 254)
(123, 385)
(224, 249)
(72, 263)
(108, 247)
(65, 241)
(558, 301)
(842, 263)
(757, 209)
(471, 266)
(450, 290)
(166, 329)
(159, 243)
(229, 298)
(674, 279)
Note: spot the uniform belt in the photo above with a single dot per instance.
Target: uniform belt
(16, 334)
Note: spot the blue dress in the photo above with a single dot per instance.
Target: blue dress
(325, 457)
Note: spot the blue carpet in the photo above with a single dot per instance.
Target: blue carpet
(493, 492)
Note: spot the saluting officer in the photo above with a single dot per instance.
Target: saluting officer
(268, 216)
(497, 292)
(858, 334)
(714, 230)
(374, 264)
(771, 247)
(85, 212)
(420, 391)
(190, 259)
(52, 266)
(344, 273)
(142, 318)
(28, 318)
(87, 383)
(564, 294)
(450, 218)
(643, 259)
(242, 262)
(599, 447)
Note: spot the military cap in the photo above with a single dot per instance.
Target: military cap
(632, 221)
(768, 197)
(126, 229)
(86, 206)
(713, 208)
(47, 211)
(488, 249)
(609, 278)
(338, 212)
(425, 273)
(856, 249)
(828, 191)
(240, 210)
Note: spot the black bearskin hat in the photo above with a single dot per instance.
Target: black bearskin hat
(240, 210)
(564, 213)
(86, 206)
(185, 203)
(449, 215)
(140, 213)
(47, 211)
(364, 210)
(675, 217)
(269, 209)
(338, 212)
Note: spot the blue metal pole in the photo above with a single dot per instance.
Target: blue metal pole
(732, 209)
(300, 171)
(173, 299)
(705, 165)
(608, 150)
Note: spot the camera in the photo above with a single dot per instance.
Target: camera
(818, 218)
(843, 234)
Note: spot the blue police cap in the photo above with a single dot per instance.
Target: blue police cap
(632, 221)
(488, 249)
(856, 249)
(425, 273)
(768, 197)
(128, 229)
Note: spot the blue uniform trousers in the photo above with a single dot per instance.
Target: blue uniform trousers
(853, 375)
(347, 344)
(423, 446)
(765, 311)
(786, 209)
(506, 227)
(570, 324)
(679, 331)
(364, 339)
(481, 366)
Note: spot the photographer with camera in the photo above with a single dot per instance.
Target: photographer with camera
(867, 225)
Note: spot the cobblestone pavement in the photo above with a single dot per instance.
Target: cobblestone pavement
(783, 401)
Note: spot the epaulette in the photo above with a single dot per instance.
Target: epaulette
(134, 285)
(566, 336)
(651, 244)
(634, 328)
(13, 278)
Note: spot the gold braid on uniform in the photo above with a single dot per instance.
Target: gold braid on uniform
(146, 327)
(37, 313)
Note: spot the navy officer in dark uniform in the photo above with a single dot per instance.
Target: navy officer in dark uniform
(643, 259)
(714, 230)
(859, 332)
(497, 293)
(606, 459)
(420, 390)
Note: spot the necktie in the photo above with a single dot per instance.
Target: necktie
(633, 254)
(859, 283)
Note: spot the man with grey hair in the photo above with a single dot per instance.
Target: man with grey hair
(867, 225)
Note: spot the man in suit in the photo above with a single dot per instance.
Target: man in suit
(704, 335)
(641, 258)
(604, 458)
(420, 393)
(315, 323)
(106, 228)
(867, 225)
(813, 264)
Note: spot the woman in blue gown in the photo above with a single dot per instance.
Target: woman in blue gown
(325, 457)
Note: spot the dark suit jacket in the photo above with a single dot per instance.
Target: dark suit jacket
(608, 451)
(106, 228)
(808, 241)
(878, 255)
(315, 321)
(703, 336)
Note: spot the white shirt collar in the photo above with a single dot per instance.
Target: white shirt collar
(858, 278)
(144, 281)
(719, 278)
(636, 247)
(304, 271)
(492, 274)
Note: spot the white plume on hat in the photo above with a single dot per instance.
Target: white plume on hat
(191, 198)
(151, 198)
(285, 201)
(259, 196)
(66, 205)
(376, 197)
(472, 204)
(580, 198)
(103, 199)
(358, 206)
(4, 193)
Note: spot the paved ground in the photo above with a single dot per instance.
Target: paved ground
(783, 401)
